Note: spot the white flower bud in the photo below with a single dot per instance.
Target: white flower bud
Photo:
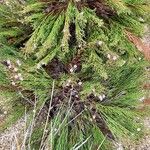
(69, 81)
(140, 58)
(80, 46)
(21, 78)
(124, 62)
(18, 62)
(141, 99)
(55, 129)
(93, 90)
(141, 19)
(76, 96)
(7, 3)
(75, 66)
(67, 84)
(5, 112)
(19, 75)
(108, 56)
(38, 66)
(80, 83)
(34, 46)
(71, 70)
(9, 67)
(8, 62)
(138, 129)
(94, 116)
(64, 30)
(15, 69)
(82, 13)
(103, 96)
(16, 76)
(114, 57)
(100, 97)
(62, 45)
(43, 63)
(99, 43)
(34, 111)
(13, 83)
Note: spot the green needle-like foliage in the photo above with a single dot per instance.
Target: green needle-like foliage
(82, 49)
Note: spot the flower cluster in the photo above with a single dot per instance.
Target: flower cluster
(111, 57)
(13, 69)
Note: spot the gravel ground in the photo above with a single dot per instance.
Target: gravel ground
(11, 137)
